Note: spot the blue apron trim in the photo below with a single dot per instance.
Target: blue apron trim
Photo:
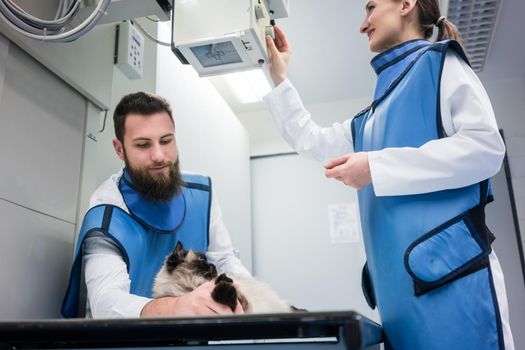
(367, 287)
(352, 124)
(485, 192)
(70, 303)
(107, 217)
(501, 340)
(198, 186)
(209, 206)
(439, 119)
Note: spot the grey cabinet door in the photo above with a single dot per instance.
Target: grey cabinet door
(41, 137)
(35, 258)
(41, 140)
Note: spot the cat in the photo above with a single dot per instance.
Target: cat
(183, 271)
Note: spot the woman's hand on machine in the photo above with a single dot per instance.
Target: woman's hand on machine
(279, 51)
(351, 169)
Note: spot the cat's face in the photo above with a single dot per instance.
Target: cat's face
(182, 272)
(190, 262)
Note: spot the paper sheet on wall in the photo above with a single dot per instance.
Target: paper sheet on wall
(344, 224)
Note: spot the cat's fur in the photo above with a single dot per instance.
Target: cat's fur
(183, 271)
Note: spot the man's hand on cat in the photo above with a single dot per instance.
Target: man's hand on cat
(225, 292)
(200, 302)
(196, 303)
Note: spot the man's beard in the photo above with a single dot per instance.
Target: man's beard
(158, 187)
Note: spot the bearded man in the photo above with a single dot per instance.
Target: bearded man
(137, 216)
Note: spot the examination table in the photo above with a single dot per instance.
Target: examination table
(300, 330)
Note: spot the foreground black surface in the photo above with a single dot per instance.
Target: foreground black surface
(352, 331)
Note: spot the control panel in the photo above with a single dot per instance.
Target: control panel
(129, 50)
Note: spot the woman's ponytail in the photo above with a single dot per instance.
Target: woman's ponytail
(430, 16)
(447, 30)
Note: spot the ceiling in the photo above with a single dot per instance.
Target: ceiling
(329, 50)
(506, 55)
(330, 60)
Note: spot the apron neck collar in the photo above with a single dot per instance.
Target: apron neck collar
(396, 54)
(161, 217)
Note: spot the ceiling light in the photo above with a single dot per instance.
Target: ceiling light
(248, 86)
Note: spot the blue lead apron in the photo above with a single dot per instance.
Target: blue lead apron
(427, 265)
(146, 235)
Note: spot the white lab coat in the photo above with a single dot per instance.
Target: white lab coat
(107, 279)
(472, 151)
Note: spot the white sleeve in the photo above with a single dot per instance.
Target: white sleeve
(298, 129)
(220, 249)
(107, 280)
(472, 151)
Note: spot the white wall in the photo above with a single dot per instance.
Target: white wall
(211, 141)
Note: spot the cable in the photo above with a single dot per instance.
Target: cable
(53, 30)
(148, 35)
(59, 12)
(57, 23)
(104, 122)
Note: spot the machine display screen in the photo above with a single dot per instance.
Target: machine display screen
(217, 54)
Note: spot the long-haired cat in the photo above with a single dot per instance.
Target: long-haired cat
(183, 271)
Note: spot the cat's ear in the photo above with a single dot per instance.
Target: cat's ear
(176, 257)
(179, 251)
(172, 261)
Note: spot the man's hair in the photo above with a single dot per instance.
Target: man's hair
(137, 103)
